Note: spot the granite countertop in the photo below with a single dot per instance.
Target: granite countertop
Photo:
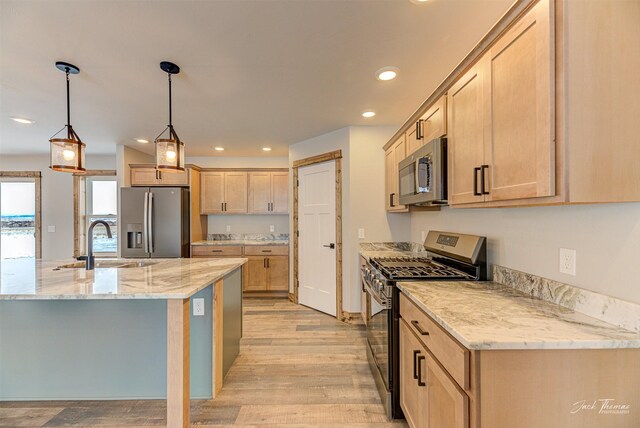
(242, 242)
(28, 279)
(489, 315)
(391, 249)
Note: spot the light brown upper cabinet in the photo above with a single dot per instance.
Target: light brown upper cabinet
(465, 138)
(268, 192)
(431, 125)
(148, 175)
(223, 192)
(501, 114)
(392, 156)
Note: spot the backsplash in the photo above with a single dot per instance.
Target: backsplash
(247, 236)
(392, 246)
(605, 308)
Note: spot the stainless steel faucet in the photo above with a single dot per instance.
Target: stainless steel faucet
(91, 261)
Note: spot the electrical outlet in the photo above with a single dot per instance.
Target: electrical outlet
(360, 233)
(51, 229)
(568, 261)
(198, 307)
(228, 228)
(423, 236)
(272, 228)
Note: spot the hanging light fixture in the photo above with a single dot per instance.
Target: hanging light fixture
(169, 151)
(67, 154)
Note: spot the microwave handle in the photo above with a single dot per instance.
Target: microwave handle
(391, 195)
(416, 175)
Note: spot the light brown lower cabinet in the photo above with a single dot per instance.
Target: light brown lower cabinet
(445, 385)
(267, 268)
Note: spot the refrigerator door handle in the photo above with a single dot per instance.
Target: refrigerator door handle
(150, 222)
(145, 223)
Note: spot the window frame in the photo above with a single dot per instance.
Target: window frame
(80, 194)
(28, 177)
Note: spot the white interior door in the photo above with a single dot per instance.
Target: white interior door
(317, 226)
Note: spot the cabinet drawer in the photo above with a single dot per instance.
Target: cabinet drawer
(266, 250)
(215, 250)
(453, 356)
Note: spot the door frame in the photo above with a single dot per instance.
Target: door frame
(36, 176)
(335, 156)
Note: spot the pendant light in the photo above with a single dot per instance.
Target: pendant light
(67, 154)
(169, 151)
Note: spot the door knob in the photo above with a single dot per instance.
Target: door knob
(332, 246)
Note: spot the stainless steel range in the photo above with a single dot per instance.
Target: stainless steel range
(449, 257)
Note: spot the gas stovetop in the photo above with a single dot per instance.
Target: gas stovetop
(422, 268)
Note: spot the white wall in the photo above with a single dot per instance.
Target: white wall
(57, 199)
(606, 237)
(249, 223)
(362, 196)
(238, 162)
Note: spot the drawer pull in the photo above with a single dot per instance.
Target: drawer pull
(267, 251)
(216, 251)
(420, 382)
(415, 366)
(420, 330)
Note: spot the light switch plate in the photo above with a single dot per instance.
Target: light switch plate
(272, 228)
(228, 228)
(198, 307)
(51, 229)
(361, 233)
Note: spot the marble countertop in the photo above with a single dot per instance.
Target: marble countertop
(243, 242)
(28, 279)
(489, 315)
(390, 249)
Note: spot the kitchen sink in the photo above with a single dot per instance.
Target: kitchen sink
(118, 264)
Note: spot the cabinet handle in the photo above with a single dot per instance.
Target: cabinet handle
(420, 382)
(264, 263)
(475, 182)
(415, 365)
(268, 264)
(420, 330)
(418, 130)
(420, 123)
(267, 251)
(225, 207)
(216, 251)
(391, 200)
(221, 206)
(482, 180)
(160, 174)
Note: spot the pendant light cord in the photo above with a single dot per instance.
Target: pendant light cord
(170, 116)
(68, 105)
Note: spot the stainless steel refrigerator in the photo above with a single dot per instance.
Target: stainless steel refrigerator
(154, 222)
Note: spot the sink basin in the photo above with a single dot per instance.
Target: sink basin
(118, 264)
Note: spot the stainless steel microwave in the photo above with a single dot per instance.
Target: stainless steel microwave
(423, 175)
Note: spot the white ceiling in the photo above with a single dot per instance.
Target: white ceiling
(254, 73)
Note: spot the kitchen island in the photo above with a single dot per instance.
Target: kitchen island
(123, 330)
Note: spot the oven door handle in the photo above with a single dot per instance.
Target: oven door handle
(374, 295)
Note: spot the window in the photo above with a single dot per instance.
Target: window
(20, 215)
(96, 199)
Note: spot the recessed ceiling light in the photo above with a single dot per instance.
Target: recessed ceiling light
(368, 113)
(142, 140)
(219, 149)
(387, 73)
(266, 149)
(418, 1)
(23, 120)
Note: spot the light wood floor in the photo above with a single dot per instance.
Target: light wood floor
(296, 368)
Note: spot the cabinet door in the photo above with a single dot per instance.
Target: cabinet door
(259, 192)
(278, 273)
(211, 192)
(399, 153)
(448, 405)
(280, 192)
(388, 174)
(235, 192)
(413, 398)
(465, 137)
(519, 130)
(256, 274)
(174, 178)
(412, 140)
(144, 177)
(434, 122)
